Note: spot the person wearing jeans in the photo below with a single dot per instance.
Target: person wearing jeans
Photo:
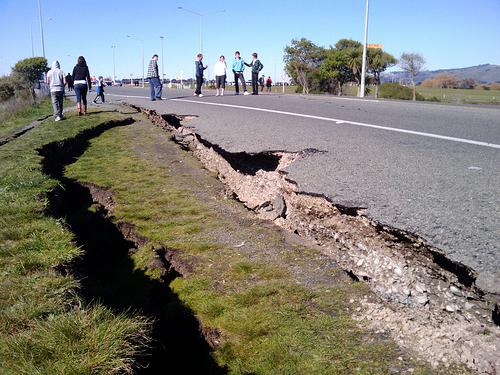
(82, 83)
(155, 85)
(199, 74)
(256, 66)
(238, 68)
(56, 81)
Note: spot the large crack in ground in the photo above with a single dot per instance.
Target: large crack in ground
(107, 273)
(427, 302)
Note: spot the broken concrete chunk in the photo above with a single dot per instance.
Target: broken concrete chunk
(272, 210)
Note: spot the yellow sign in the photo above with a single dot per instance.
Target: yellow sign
(379, 46)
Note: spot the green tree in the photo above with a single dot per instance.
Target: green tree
(302, 58)
(378, 61)
(29, 71)
(353, 51)
(335, 70)
(412, 63)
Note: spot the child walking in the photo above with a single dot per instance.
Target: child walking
(99, 90)
(220, 76)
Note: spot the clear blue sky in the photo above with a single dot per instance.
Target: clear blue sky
(449, 33)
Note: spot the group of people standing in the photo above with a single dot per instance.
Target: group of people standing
(220, 69)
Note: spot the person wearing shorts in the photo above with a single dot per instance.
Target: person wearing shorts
(81, 83)
(220, 76)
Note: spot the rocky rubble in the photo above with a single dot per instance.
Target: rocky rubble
(436, 312)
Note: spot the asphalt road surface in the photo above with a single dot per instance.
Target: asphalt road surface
(430, 169)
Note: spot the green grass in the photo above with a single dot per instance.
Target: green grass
(461, 96)
(45, 327)
(268, 324)
(24, 117)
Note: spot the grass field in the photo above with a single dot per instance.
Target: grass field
(45, 327)
(461, 96)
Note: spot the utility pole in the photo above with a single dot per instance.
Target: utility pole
(363, 69)
(200, 15)
(41, 27)
(114, 67)
(162, 60)
(32, 47)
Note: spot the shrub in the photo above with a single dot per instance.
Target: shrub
(396, 91)
(7, 89)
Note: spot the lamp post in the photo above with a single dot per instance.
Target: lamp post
(162, 60)
(113, 47)
(200, 15)
(32, 46)
(142, 46)
(41, 27)
(363, 68)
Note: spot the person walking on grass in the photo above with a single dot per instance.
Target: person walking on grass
(155, 85)
(82, 83)
(220, 76)
(238, 68)
(200, 68)
(56, 82)
(256, 66)
(269, 83)
(99, 90)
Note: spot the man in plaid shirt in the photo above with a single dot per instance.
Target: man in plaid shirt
(155, 84)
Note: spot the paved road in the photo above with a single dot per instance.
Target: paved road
(431, 169)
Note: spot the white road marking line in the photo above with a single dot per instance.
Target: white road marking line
(338, 121)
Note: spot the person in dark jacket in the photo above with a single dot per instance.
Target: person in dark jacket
(69, 82)
(82, 83)
(256, 66)
(199, 74)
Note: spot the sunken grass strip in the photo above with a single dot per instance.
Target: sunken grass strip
(45, 328)
(269, 324)
(11, 123)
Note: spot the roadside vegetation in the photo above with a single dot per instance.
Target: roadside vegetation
(45, 326)
(336, 70)
(17, 90)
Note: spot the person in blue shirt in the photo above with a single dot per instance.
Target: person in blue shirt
(199, 74)
(238, 68)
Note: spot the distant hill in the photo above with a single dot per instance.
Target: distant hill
(486, 73)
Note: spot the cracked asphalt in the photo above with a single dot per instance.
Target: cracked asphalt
(444, 190)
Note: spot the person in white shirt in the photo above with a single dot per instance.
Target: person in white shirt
(220, 76)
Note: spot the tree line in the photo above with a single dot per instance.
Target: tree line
(318, 69)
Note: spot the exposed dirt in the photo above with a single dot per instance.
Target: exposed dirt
(107, 273)
(426, 302)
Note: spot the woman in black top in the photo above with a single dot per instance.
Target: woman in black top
(81, 82)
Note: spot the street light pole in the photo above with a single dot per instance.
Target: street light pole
(200, 15)
(41, 27)
(114, 67)
(363, 69)
(32, 47)
(162, 60)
